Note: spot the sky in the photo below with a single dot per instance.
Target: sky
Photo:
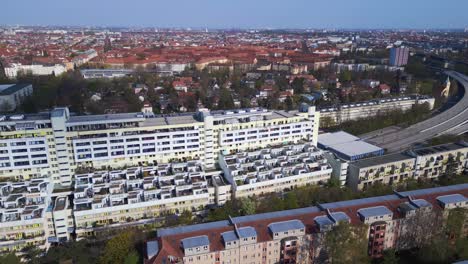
(352, 14)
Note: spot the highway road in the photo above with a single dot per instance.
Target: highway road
(451, 119)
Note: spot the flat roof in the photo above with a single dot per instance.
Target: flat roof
(152, 248)
(323, 220)
(229, 236)
(438, 149)
(355, 148)
(331, 139)
(285, 226)
(452, 198)
(247, 231)
(340, 216)
(343, 143)
(421, 203)
(198, 241)
(7, 89)
(375, 161)
(333, 218)
(374, 211)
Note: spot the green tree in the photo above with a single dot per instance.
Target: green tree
(132, 258)
(10, 258)
(298, 85)
(455, 222)
(289, 103)
(347, 243)
(225, 99)
(247, 206)
(118, 248)
(230, 208)
(436, 251)
(345, 76)
(186, 217)
(290, 201)
(462, 249)
(390, 257)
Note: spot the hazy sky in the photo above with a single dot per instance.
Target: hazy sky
(239, 13)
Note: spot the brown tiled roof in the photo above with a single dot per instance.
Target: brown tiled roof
(170, 245)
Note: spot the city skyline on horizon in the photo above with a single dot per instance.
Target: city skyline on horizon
(240, 15)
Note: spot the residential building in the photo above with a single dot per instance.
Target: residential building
(140, 195)
(297, 235)
(105, 73)
(421, 163)
(433, 162)
(354, 111)
(14, 69)
(399, 56)
(275, 169)
(12, 95)
(23, 210)
(343, 148)
(388, 169)
(58, 144)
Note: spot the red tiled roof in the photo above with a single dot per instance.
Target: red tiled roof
(170, 245)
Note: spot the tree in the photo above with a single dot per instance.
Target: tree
(345, 76)
(225, 99)
(290, 201)
(270, 203)
(455, 222)
(289, 103)
(186, 217)
(298, 85)
(347, 243)
(10, 258)
(327, 121)
(247, 206)
(416, 230)
(436, 251)
(230, 208)
(390, 257)
(132, 258)
(118, 248)
(78, 252)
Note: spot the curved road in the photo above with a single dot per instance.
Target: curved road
(449, 120)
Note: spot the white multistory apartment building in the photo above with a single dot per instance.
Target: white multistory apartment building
(423, 163)
(23, 221)
(359, 110)
(275, 169)
(58, 144)
(139, 195)
(12, 95)
(14, 69)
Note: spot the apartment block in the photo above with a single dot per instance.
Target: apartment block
(23, 210)
(422, 163)
(359, 110)
(296, 236)
(139, 195)
(12, 95)
(388, 169)
(59, 144)
(343, 148)
(432, 162)
(275, 169)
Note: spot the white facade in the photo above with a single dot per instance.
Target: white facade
(13, 70)
(12, 95)
(360, 110)
(23, 220)
(275, 169)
